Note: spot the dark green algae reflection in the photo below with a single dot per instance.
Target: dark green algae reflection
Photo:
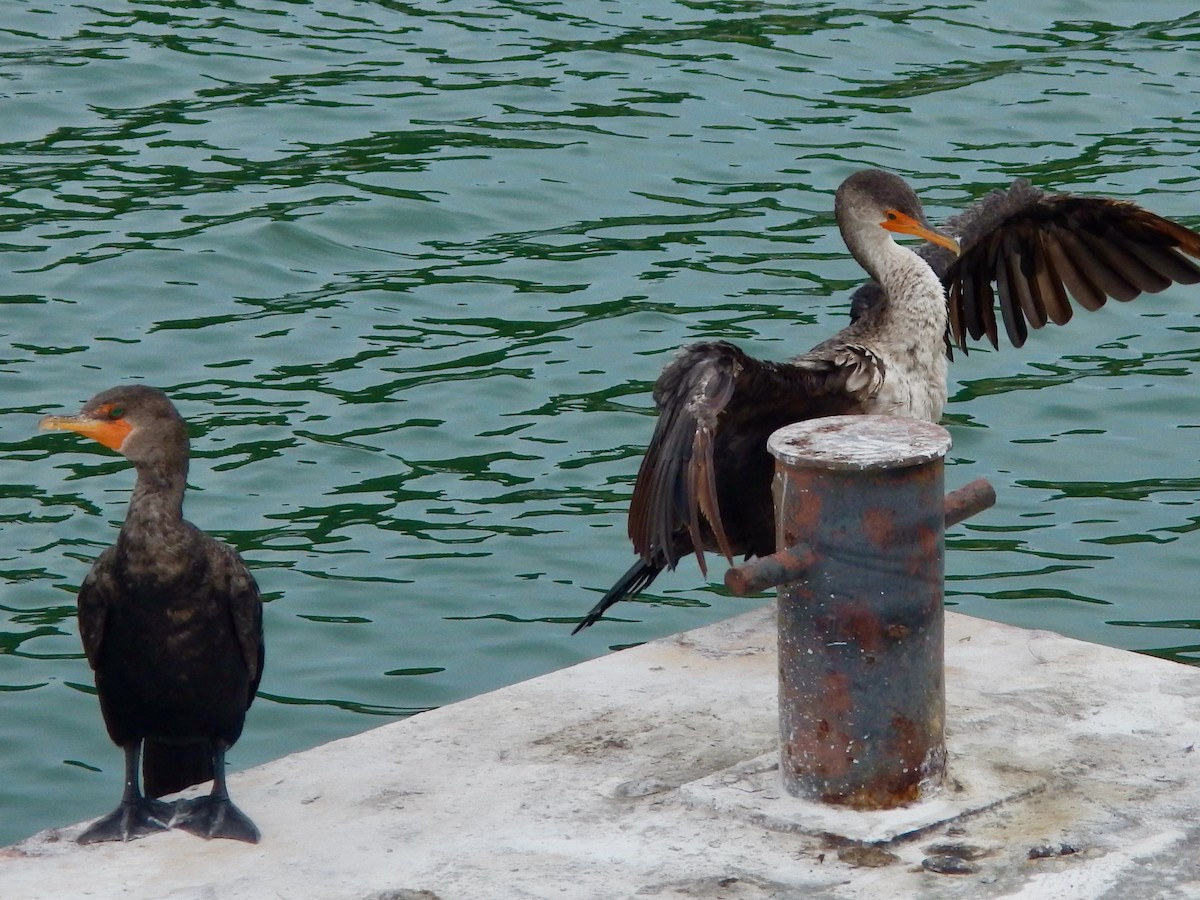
(411, 269)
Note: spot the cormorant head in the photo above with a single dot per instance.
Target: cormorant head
(873, 197)
(136, 420)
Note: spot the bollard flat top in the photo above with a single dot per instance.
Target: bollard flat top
(859, 443)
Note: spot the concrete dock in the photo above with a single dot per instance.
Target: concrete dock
(652, 773)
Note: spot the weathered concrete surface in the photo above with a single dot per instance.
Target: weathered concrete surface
(642, 775)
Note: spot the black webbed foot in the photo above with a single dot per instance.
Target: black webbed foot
(131, 820)
(215, 817)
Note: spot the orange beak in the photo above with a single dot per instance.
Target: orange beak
(109, 432)
(905, 224)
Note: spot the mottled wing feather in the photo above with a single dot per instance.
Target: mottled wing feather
(717, 407)
(1037, 248)
(1008, 282)
(703, 494)
(1085, 292)
(93, 600)
(245, 607)
(1047, 283)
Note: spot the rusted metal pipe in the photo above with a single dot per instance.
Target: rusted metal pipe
(792, 562)
(764, 572)
(859, 499)
(973, 497)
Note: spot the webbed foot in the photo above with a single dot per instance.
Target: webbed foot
(213, 817)
(129, 821)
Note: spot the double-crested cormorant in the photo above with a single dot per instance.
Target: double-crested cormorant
(705, 482)
(171, 622)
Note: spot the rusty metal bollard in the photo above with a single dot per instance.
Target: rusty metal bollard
(861, 518)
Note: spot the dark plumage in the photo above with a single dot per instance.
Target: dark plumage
(171, 622)
(705, 482)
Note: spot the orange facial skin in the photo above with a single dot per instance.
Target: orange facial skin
(902, 223)
(107, 426)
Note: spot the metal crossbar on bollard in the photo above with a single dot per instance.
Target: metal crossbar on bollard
(861, 518)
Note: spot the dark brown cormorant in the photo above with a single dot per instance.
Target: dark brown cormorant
(705, 482)
(171, 622)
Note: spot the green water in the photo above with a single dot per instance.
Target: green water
(410, 269)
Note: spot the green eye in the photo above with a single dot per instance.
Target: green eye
(116, 412)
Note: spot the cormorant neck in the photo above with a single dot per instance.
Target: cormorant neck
(156, 507)
(161, 486)
(874, 249)
(914, 292)
(908, 330)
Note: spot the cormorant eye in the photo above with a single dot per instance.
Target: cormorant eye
(116, 412)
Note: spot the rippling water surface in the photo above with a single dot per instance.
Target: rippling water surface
(410, 269)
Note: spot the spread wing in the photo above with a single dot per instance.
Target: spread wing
(1036, 248)
(705, 482)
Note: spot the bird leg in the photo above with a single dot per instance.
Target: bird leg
(215, 816)
(137, 816)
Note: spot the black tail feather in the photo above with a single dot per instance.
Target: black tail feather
(639, 577)
(167, 768)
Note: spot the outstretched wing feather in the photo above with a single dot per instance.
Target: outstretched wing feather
(1037, 248)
